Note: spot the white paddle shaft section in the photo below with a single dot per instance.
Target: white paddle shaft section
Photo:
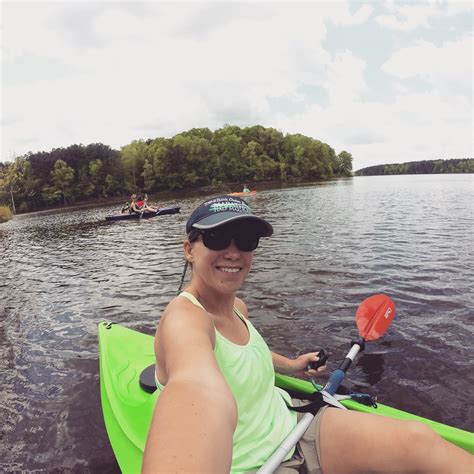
(290, 442)
(353, 352)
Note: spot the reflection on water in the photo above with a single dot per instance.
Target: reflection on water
(372, 368)
(334, 244)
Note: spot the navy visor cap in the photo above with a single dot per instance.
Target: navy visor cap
(223, 209)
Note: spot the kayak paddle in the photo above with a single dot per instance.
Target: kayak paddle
(373, 317)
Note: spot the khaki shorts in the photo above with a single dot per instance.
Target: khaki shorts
(307, 456)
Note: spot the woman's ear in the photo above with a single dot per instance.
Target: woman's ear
(188, 251)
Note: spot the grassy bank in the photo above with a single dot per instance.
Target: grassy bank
(5, 214)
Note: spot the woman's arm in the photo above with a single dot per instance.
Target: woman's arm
(195, 415)
(298, 366)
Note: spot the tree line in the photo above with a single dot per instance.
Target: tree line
(192, 159)
(459, 165)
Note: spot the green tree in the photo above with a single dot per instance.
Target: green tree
(85, 187)
(31, 187)
(344, 161)
(158, 154)
(62, 177)
(229, 151)
(96, 172)
(283, 167)
(112, 186)
(250, 167)
(133, 158)
(11, 179)
(51, 194)
(148, 176)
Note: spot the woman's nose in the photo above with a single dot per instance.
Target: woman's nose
(232, 249)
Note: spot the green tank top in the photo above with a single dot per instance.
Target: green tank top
(264, 420)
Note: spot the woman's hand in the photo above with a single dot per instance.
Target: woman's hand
(301, 363)
(298, 366)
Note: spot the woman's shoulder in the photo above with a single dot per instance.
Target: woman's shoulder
(241, 307)
(182, 314)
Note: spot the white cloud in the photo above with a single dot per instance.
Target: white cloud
(115, 72)
(345, 78)
(137, 69)
(406, 17)
(445, 67)
(409, 16)
(27, 31)
(361, 15)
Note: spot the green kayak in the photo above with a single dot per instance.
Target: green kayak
(127, 407)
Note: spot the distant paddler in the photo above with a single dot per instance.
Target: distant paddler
(246, 192)
(138, 205)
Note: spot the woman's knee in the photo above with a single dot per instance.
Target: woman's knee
(417, 434)
(373, 443)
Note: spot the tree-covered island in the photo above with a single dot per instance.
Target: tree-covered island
(459, 165)
(193, 159)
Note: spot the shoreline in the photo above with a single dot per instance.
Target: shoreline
(184, 193)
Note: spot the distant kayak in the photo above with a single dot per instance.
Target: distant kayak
(250, 193)
(146, 215)
(128, 395)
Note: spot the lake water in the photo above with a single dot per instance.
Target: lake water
(335, 243)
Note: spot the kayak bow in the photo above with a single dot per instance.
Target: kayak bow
(127, 408)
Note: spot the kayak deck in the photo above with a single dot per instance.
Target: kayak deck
(145, 215)
(127, 408)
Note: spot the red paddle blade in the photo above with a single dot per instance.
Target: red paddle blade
(374, 316)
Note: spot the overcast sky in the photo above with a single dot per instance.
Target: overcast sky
(387, 81)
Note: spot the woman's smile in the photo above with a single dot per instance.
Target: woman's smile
(227, 269)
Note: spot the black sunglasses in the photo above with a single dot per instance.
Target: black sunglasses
(220, 239)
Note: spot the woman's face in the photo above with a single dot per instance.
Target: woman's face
(224, 270)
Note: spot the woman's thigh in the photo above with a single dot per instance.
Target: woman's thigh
(360, 442)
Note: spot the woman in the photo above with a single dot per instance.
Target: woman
(219, 410)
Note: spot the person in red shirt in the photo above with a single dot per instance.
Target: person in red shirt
(139, 204)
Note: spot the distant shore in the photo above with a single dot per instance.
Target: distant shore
(164, 197)
(455, 166)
